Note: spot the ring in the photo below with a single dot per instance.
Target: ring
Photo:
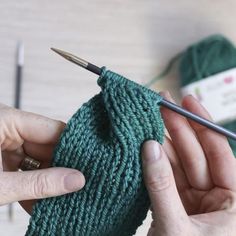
(29, 163)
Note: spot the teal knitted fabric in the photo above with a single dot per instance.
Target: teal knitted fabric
(103, 140)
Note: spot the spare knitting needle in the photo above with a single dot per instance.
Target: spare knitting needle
(19, 68)
(18, 81)
(97, 70)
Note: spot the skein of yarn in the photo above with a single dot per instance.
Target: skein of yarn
(208, 57)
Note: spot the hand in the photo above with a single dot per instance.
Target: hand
(191, 180)
(21, 134)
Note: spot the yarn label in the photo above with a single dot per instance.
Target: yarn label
(217, 94)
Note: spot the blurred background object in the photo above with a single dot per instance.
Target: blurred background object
(17, 95)
(135, 38)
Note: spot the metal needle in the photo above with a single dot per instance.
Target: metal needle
(97, 70)
(78, 61)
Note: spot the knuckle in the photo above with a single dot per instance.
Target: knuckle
(229, 202)
(176, 129)
(40, 185)
(160, 183)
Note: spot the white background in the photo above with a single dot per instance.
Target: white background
(135, 38)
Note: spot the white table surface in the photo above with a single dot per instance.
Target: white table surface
(135, 38)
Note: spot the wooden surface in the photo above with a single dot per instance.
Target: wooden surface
(135, 38)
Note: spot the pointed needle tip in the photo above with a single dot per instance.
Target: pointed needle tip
(56, 50)
(64, 54)
(79, 61)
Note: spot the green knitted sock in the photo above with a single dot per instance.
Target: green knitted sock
(103, 140)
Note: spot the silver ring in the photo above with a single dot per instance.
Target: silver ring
(29, 163)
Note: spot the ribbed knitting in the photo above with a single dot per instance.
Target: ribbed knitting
(103, 140)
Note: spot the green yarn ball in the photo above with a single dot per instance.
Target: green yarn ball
(205, 58)
(210, 56)
(103, 140)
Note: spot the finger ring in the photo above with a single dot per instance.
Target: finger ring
(29, 163)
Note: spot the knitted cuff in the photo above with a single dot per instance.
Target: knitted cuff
(103, 140)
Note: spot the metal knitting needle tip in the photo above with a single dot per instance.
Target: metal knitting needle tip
(78, 61)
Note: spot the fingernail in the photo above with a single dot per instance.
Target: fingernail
(151, 151)
(164, 94)
(74, 181)
(169, 96)
(192, 97)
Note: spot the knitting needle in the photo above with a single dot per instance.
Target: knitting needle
(18, 80)
(19, 68)
(97, 70)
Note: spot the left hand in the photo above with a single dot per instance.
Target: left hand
(21, 134)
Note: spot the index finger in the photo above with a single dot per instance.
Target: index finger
(37, 128)
(219, 155)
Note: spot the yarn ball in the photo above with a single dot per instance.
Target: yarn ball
(103, 140)
(210, 56)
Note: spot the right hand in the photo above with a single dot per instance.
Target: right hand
(191, 180)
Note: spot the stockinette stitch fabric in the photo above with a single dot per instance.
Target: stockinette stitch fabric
(103, 140)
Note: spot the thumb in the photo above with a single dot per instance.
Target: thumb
(158, 176)
(17, 186)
